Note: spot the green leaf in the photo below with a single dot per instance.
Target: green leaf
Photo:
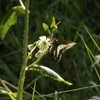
(94, 98)
(19, 10)
(3, 90)
(9, 20)
(48, 73)
(11, 94)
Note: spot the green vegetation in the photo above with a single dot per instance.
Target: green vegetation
(80, 65)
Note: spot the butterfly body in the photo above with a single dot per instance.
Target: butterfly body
(59, 47)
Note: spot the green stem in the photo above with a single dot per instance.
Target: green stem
(73, 90)
(25, 43)
(35, 62)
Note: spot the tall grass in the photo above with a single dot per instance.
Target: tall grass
(79, 23)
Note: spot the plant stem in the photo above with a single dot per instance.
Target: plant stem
(73, 90)
(22, 4)
(24, 65)
(35, 62)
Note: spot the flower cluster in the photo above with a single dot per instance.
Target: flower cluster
(43, 44)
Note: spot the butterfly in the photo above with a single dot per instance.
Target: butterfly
(59, 47)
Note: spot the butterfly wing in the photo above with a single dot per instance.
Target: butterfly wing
(59, 47)
(53, 48)
(63, 48)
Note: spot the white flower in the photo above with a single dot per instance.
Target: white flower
(44, 43)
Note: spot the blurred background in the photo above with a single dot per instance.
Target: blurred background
(75, 65)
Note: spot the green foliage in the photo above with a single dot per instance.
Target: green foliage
(49, 73)
(10, 19)
(75, 66)
(34, 91)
